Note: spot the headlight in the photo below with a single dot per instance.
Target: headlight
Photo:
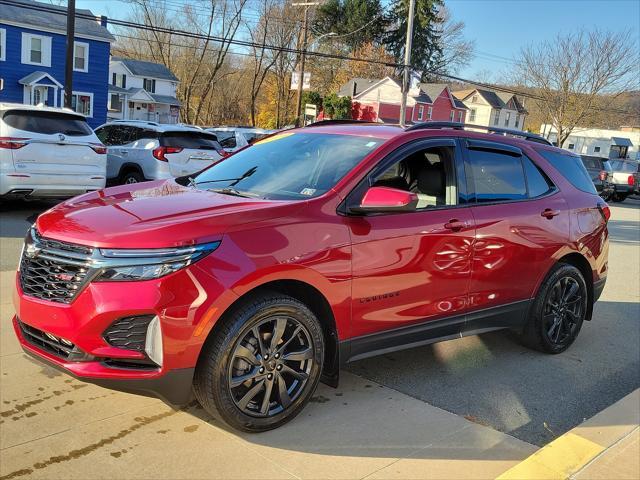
(119, 265)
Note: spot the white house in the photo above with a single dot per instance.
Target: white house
(598, 142)
(493, 109)
(140, 90)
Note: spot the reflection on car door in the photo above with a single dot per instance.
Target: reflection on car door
(521, 223)
(412, 268)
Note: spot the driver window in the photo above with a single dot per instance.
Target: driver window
(427, 173)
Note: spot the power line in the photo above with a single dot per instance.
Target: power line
(244, 43)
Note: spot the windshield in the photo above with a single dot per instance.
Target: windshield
(288, 166)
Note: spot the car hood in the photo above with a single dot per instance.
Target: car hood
(153, 215)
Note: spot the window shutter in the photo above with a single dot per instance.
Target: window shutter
(113, 79)
(124, 80)
(153, 86)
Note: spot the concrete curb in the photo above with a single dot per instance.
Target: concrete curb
(571, 453)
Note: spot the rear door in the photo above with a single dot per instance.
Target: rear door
(57, 144)
(521, 222)
(190, 152)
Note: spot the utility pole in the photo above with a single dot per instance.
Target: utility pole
(306, 5)
(68, 66)
(407, 61)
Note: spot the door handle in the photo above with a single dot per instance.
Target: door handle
(124, 152)
(549, 214)
(455, 225)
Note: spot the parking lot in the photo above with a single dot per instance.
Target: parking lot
(55, 426)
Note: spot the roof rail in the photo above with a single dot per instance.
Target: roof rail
(344, 121)
(532, 137)
(146, 122)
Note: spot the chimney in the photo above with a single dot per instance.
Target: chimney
(103, 20)
(355, 89)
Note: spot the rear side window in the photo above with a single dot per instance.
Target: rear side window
(195, 140)
(538, 183)
(47, 123)
(114, 135)
(496, 176)
(590, 162)
(571, 168)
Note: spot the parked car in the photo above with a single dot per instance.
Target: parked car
(48, 152)
(626, 178)
(140, 150)
(601, 174)
(315, 247)
(235, 138)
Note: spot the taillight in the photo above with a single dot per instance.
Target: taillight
(13, 143)
(160, 152)
(98, 148)
(603, 175)
(631, 180)
(605, 211)
(223, 153)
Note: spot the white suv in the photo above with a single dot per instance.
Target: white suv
(139, 150)
(48, 152)
(235, 138)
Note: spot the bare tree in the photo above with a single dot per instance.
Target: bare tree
(576, 74)
(457, 51)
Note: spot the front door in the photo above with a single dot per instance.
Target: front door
(411, 269)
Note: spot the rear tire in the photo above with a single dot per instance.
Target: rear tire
(262, 364)
(558, 311)
(619, 197)
(131, 177)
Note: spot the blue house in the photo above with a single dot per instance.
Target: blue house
(32, 58)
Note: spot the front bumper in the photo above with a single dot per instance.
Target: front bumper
(180, 301)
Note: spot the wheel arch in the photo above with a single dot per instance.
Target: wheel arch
(315, 301)
(130, 167)
(581, 263)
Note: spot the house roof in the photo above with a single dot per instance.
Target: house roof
(168, 99)
(362, 84)
(495, 99)
(142, 68)
(147, 96)
(53, 20)
(429, 92)
(621, 142)
(37, 77)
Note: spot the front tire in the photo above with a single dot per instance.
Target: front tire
(557, 314)
(262, 365)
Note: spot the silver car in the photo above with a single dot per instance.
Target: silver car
(141, 150)
(626, 178)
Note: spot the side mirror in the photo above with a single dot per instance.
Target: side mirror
(385, 199)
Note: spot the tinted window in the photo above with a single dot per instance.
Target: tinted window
(626, 167)
(289, 165)
(497, 176)
(607, 166)
(229, 142)
(590, 162)
(114, 135)
(571, 168)
(538, 183)
(197, 140)
(47, 123)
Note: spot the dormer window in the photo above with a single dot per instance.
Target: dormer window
(474, 99)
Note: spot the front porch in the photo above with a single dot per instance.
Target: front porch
(138, 104)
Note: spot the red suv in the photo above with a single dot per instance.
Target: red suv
(251, 280)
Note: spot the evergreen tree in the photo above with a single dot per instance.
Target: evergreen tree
(426, 49)
(357, 22)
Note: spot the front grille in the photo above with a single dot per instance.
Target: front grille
(53, 270)
(55, 345)
(129, 333)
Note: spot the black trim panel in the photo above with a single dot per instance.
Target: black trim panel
(598, 287)
(513, 315)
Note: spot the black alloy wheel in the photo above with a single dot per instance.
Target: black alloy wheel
(261, 364)
(558, 311)
(270, 366)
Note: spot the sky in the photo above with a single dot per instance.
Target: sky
(499, 28)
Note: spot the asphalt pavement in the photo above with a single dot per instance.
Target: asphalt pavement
(491, 379)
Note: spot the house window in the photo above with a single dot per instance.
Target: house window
(496, 117)
(420, 112)
(429, 112)
(3, 44)
(596, 149)
(506, 119)
(460, 117)
(474, 99)
(81, 57)
(115, 103)
(572, 146)
(149, 85)
(119, 80)
(452, 116)
(82, 102)
(518, 120)
(36, 50)
(472, 115)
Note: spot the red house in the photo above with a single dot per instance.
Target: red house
(379, 101)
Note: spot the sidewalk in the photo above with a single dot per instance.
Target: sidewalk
(607, 446)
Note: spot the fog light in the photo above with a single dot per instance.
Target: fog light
(153, 342)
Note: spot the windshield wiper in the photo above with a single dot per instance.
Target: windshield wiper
(230, 191)
(234, 181)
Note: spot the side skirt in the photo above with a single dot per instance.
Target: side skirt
(511, 316)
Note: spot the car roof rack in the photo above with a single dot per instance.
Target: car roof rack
(343, 121)
(532, 137)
